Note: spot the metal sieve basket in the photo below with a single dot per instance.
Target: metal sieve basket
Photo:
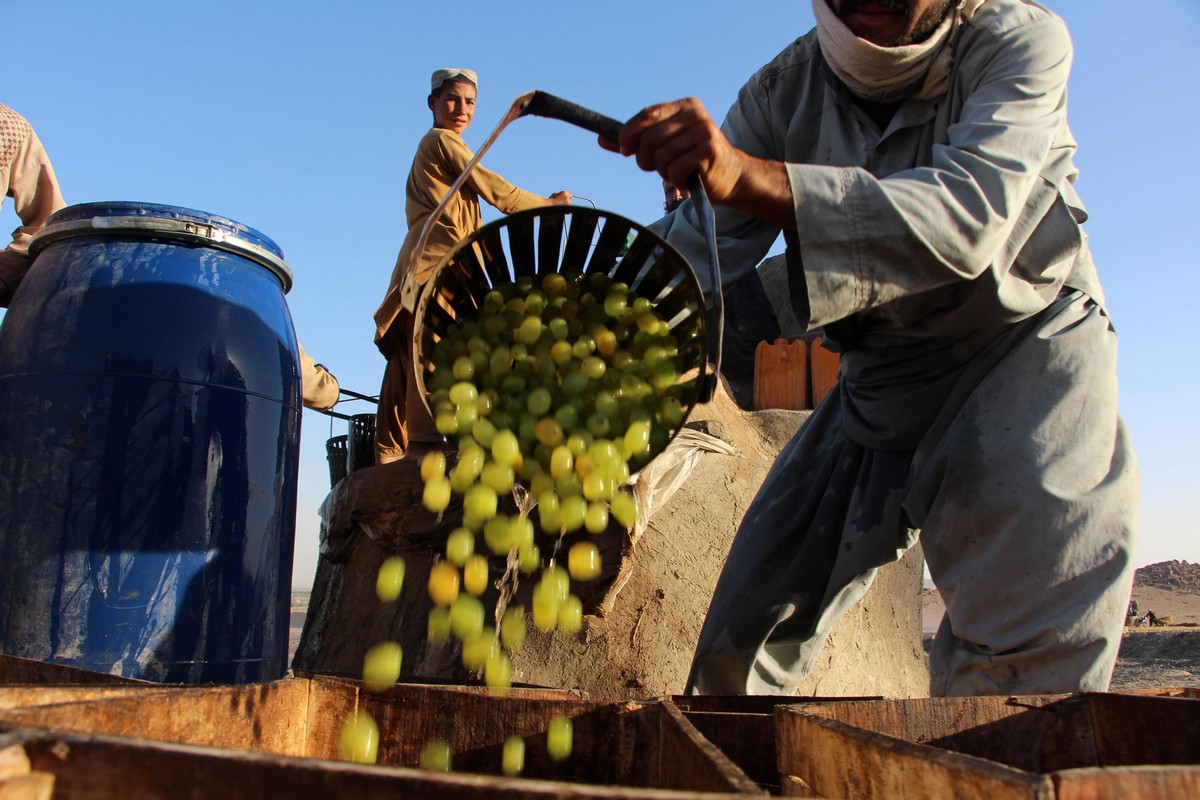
(563, 239)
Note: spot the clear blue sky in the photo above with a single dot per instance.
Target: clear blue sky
(300, 119)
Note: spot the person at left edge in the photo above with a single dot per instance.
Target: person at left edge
(28, 178)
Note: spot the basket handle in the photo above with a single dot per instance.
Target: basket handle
(542, 104)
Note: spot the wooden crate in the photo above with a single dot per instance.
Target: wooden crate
(14, 670)
(1075, 747)
(638, 746)
(793, 374)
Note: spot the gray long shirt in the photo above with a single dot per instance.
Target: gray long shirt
(960, 217)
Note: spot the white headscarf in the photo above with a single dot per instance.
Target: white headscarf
(884, 74)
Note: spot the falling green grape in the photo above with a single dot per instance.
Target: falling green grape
(381, 666)
(583, 561)
(435, 755)
(439, 627)
(558, 738)
(475, 574)
(358, 739)
(570, 615)
(390, 579)
(443, 583)
(512, 760)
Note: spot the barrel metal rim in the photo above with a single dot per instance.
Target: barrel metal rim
(154, 221)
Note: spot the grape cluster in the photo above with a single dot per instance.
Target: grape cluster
(556, 391)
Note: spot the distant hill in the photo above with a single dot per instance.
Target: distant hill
(1175, 576)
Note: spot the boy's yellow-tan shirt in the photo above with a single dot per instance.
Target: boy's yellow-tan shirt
(441, 157)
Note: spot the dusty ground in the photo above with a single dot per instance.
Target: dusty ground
(1166, 657)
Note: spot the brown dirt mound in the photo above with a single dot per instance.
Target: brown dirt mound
(1176, 576)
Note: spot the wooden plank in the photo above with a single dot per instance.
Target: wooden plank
(615, 744)
(26, 696)
(824, 367)
(1140, 731)
(15, 670)
(104, 768)
(781, 375)
(1105, 784)
(691, 762)
(839, 760)
(268, 717)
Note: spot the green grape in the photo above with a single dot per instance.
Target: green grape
(463, 393)
(584, 347)
(497, 671)
(558, 738)
(570, 615)
(498, 477)
(545, 606)
(500, 361)
(624, 509)
(463, 369)
(466, 616)
(460, 544)
(478, 649)
(512, 759)
(558, 328)
(390, 579)
(436, 494)
(522, 531)
(446, 423)
(559, 580)
(435, 756)
(593, 367)
(541, 483)
(358, 740)
(584, 465)
(547, 431)
(481, 502)
(465, 417)
(598, 425)
(548, 507)
(433, 465)
(506, 449)
(381, 666)
(475, 575)
(512, 628)
(554, 284)
(574, 382)
(443, 583)
(561, 353)
(595, 487)
(438, 629)
(568, 486)
(562, 462)
(595, 519)
(637, 437)
(567, 416)
(606, 342)
(529, 330)
(583, 561)
(470, 461)
(529, 558)
(606, 404)
(498, 535)
(572, 510)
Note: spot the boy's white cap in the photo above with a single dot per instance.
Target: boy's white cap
(451, 74)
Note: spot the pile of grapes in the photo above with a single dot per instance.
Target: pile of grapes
(554, 393)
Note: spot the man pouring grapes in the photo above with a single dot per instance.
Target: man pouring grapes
(916, 156)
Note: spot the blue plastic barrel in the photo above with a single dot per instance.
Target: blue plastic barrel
(149, 445)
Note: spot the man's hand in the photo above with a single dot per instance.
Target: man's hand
(678, 140)
(562, 198)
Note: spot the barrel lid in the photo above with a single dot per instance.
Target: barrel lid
(157, 221)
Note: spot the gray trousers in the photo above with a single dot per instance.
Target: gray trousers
(1023, 486)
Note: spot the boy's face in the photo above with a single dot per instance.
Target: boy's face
(454, 106)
